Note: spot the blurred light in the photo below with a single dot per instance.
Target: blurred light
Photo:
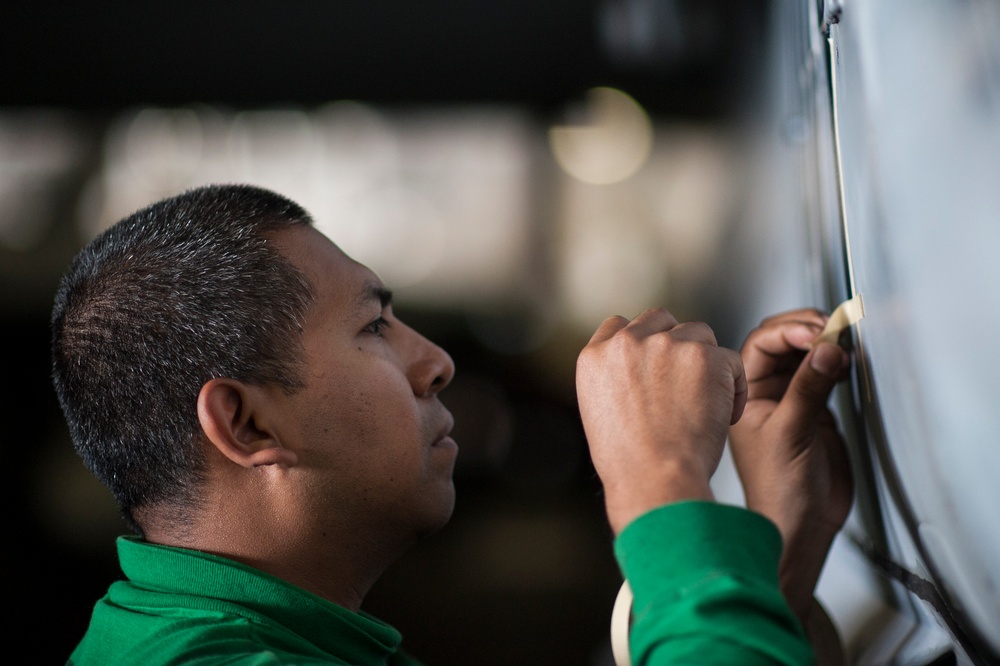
(360, 149)
(148, 154)
(156, 137)
(399, 232)
(611, 260)
(610, 145)
(690, 186)
(39, 151)
(434, 201)
(654, 239)
(277, 149)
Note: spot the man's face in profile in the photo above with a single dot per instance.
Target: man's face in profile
(371, 436)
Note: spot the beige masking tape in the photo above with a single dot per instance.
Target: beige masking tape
(847, 313)
(621, 616)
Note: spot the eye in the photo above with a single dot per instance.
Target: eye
(377, 326)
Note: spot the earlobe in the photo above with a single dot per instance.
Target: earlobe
(234, 418)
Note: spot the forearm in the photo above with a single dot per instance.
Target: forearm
(705, 580)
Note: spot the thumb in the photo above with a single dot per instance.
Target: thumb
(811, 385)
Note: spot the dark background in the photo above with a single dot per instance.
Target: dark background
(675, 56)
(524, 573)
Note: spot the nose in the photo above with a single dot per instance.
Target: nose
(430, 368)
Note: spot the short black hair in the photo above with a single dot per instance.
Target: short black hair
(186, 290)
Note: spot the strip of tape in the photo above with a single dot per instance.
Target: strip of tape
(621, 616)
(847, 313)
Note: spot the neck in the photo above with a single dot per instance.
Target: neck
(338, 563)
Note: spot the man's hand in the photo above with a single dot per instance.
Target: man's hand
(787, 448)
(656, 398)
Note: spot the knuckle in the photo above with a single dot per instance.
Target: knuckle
(587, 357)
(622, 345)
(695, 354)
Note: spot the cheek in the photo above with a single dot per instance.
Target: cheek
(377, 417)
(382, 396)
(360, 409)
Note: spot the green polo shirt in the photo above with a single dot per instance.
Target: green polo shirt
(705, 582)
(186, 607)
(704, 576)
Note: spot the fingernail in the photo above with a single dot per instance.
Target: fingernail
(801, 336)
(827, 359)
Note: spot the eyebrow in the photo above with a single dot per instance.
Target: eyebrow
(373, 291)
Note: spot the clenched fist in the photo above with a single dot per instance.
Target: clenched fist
(656, 397)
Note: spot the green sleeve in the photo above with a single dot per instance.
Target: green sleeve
(705, 582)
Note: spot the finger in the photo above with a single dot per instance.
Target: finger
(810, 388)
(771, 387)
(608, 328)
(739, 383)
(767, 349)
(804, 315)
(652, 321)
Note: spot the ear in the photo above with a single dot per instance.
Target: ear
(235, 418)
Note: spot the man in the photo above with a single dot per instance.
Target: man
(273, 434)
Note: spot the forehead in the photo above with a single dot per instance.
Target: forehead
(339, 282)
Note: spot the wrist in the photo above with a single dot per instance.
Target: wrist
(648, 487)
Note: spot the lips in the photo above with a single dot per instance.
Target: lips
(446, 443)
(444, 439)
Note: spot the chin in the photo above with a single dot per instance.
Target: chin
(440, 513)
